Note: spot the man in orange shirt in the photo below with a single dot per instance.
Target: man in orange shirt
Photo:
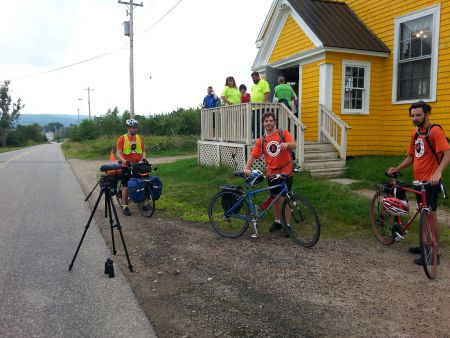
(130, 149)
(428, 162)
(277, 154)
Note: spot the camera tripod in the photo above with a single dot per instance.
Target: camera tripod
(106, 185)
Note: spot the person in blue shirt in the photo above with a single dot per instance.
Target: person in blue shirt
(211, 100)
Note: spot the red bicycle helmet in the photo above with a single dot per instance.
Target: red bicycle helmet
(396, 206)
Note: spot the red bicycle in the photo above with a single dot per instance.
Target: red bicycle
(390, 218)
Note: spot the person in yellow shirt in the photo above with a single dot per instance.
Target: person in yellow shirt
(231, 94)
(260, 94)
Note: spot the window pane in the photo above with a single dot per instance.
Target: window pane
(361, 72)
(360, 82)
(414, 80)
(354, 71)
(426, 45)
(416, 48)
(355, 82)
(404, 90)
(358, 104)
(404, 70)
(405, 33)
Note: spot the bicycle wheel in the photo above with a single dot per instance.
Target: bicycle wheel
(428, 245)
(228, 218)
(119, 193)
(147, 208)
(382, 221)
(303, 226)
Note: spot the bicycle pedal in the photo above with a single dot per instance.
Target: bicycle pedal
(254, 236)
(398, 237)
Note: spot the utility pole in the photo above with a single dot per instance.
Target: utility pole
(131, 6)
(78, 109)
(89, 100)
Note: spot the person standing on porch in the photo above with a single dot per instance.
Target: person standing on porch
(259, 94)
(245, 97)
(211, 100)
(284, 92)
(231, 94)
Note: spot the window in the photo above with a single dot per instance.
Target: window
(355, 87)
(415, 56)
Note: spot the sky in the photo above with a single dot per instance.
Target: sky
(176, 55)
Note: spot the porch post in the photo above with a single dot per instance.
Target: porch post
(325, 91)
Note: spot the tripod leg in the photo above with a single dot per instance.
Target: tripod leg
(108, 203)
(106, 209)
(86, 228)
(119, 227)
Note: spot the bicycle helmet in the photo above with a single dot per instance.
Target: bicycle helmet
(396, 206)
(255, 178)
(132, 123)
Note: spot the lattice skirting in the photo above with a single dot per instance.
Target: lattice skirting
(234, 155)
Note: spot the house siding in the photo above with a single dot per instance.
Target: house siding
(390, 121)
(292, 40)
(310, 99)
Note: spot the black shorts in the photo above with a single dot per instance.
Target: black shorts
(432, 196)
(125, 176)
(276, 191)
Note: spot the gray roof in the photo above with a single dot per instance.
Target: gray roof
(336, 25)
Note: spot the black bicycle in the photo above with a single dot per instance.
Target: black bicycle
(232, 210)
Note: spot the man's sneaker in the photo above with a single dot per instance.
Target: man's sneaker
(414, 250)
(419, 261)
(126, 212)
(275, 226)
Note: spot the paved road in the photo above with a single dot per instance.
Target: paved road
(42, 218)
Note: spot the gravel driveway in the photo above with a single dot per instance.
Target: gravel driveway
(193, 283)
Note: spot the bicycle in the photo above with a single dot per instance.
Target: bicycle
(232, 210)
(390, 223)
(147, 206)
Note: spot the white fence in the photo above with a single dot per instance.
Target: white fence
(332, 129)
(242, 124)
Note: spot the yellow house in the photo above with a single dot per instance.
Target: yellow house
(360, 64)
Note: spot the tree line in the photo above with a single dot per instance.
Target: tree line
(179, 122)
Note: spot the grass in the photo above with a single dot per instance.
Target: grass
(188, 188)
(156, 146)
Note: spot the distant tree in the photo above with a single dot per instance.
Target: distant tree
(53, 126)
(8, 116)
(21, 135)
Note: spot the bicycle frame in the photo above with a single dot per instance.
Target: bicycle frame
(249, 194)
(423, 205)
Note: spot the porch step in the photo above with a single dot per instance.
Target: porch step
(327, 173)
(325, 164)
(322, 160)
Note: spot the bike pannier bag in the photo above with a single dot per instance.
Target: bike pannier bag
(228, 200)
(136, 190)
(156, 187)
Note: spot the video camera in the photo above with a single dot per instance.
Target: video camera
(110, 174)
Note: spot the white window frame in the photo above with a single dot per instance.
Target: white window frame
(435, 11)
(366, 97)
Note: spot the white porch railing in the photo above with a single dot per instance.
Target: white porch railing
(333, 130)
(242, 124)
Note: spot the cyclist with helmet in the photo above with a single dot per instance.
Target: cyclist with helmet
(429, 153)
(130, 150)
(277, 155)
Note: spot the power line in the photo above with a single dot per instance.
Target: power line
(160, 19)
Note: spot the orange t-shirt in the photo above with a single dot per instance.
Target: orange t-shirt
(278, 160)
(425, 163)
(133, 156)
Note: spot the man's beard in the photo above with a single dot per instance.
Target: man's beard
(419, 124)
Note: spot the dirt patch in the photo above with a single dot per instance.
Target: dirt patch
(193, 283)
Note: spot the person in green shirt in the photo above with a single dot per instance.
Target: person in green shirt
(231, 94)
(284, 93)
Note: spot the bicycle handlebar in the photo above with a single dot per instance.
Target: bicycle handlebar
(418, 183)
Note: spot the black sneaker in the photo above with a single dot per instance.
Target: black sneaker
(275, 226)
(126, 212)
(414, 250)
(419, 261)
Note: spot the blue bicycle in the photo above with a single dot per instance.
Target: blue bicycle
(232, 210)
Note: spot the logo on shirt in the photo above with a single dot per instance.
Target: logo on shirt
(273, 148)
(419, 147)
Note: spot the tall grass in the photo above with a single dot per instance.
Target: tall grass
(155, 146)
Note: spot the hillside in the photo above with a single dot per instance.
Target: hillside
(44, 119)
